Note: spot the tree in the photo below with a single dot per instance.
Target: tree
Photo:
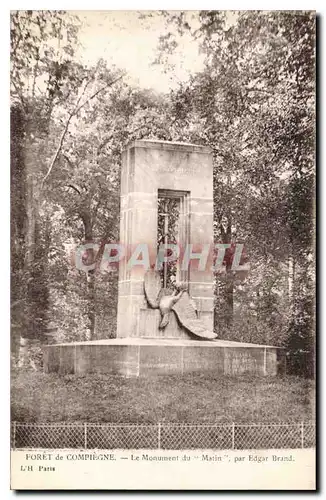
(37, 72)
(50, 91)
(86, 183)
(253, 104)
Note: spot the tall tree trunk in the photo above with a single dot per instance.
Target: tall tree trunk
(34, 256)
(229, 303)
(229, 285)
(91, 303)
(91, 291)
(291, 276)
(17, 229)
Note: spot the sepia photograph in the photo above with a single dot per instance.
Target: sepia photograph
(162, 175)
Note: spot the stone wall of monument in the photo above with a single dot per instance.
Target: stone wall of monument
(149, 166)
(145, 358)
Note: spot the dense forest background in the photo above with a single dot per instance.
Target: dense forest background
(253, 104)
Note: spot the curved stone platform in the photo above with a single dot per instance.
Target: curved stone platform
(133, 357)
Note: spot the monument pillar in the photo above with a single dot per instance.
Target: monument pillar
(182, 171)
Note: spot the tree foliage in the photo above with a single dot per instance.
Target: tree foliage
(253, 103)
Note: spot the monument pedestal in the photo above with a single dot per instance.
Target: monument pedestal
(133, 357)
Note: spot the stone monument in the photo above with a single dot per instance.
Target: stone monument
(165, 309)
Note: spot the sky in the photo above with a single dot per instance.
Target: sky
(130, 43)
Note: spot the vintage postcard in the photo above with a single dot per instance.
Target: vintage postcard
(162, 250)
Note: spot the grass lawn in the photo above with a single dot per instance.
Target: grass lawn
(39, 397)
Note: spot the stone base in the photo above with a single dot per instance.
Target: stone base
(133, 357)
